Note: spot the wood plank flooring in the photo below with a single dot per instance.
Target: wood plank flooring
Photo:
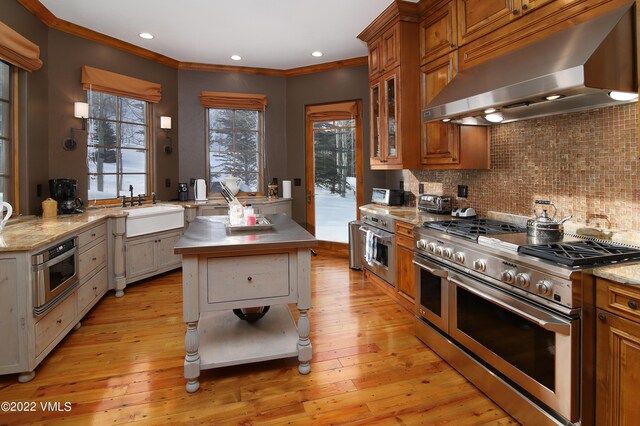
(124, 365)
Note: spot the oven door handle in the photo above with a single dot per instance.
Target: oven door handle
(544, 320)
(442, 273)
(382, 239)
(55, 260)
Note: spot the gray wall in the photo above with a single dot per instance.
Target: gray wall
(67, 55)
(192, 119)
(329, 86)
(33, 108)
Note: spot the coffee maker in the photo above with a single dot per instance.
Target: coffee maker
(64, 192)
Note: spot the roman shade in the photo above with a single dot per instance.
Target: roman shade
(331, 112)
(226, 100)
(17, 50)
(120, 85)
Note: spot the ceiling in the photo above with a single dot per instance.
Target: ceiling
(277, 34)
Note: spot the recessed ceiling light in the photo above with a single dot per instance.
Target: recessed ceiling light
(623, 96)
(553, 97)
(494, 118)
(146, 36)
(236, 57)
(317, 54)
(489, 110)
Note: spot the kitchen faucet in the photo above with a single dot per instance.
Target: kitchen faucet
(131, 190)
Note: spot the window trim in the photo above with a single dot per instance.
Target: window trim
(149, 118)
(261, 149)
(12, 139)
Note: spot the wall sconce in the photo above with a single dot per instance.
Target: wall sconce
(80, 110)
(165, 124)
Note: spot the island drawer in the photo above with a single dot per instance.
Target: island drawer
(247, 277)
(619, 299)
(88, 238)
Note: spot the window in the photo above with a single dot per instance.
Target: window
(118, 146)
(6, 133)
(235, 146)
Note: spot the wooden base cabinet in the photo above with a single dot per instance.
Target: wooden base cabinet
(617, 354)
(405, 272)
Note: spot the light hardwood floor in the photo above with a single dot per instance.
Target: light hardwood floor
(125, 365)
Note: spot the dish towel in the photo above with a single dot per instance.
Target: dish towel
(370, 247)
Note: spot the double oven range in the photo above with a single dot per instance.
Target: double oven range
(512, 316)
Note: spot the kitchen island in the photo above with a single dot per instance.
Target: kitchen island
(225, 269)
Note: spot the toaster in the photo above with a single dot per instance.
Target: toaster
(434, 204)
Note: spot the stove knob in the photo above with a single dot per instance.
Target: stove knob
(384, 223)
(480, 265)
(459, 257)
(448, 253)
(421, 244)
(544, 287)
(522, 280)
(439, 250)
(507, 276)
(432, 247)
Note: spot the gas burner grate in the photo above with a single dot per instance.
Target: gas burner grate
(582, 253)
(472, 228)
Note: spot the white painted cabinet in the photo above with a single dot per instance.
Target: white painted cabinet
(149, 255)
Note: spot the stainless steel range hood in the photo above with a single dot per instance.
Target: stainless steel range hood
(582, 64)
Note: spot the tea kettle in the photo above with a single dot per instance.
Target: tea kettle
(200, 190)
(543, 228)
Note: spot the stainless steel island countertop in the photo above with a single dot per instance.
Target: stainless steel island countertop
(208, 234)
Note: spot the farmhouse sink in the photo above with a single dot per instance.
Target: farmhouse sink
(147, 220)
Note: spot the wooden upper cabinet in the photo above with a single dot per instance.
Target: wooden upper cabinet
(375, 66)
(479, 17)
(392, 39)
(438, 32)
(440, 141)
(390, 42)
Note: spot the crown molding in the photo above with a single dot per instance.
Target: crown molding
(52, 21)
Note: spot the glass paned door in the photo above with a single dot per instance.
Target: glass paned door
(390, 87)
(376, 147)
(335, 178)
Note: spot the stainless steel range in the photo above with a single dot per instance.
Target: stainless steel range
(509, 314)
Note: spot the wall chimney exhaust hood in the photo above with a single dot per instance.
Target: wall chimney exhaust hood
(581, 65)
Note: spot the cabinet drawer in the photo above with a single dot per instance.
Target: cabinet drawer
(93, 289)
(619, 299)
(88, 238)
(55, 322)
(404, 229)
(92, 259)
(247, 277)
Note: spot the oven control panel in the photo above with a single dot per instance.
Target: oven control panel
(499, 270)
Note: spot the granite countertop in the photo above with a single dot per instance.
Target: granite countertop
(405, 214)
(624, 274)
(208, 234)
(30, 232)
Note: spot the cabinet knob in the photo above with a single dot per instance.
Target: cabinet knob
(452, 45)
(94, 259)
(93, 235)
(95, 287)
(602, 317)
(515, 11)
(249, 279)
(59, 321)
(525, 7)
(633, 304)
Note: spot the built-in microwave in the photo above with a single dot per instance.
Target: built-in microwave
(55, 275)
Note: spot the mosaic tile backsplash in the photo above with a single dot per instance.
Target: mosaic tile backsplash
(586, 163)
